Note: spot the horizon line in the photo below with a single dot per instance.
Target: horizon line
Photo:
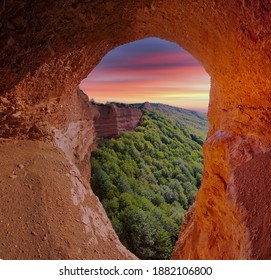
(200, 110)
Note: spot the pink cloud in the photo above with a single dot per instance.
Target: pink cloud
(170, 78)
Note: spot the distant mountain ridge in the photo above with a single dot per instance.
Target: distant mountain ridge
(197, 121)
(115, 117)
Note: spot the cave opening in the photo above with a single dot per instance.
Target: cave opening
(45, 55)
(151, 97)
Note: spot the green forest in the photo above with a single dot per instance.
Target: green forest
(146, 179)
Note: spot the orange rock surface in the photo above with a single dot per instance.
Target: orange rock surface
(48, 47)
(48, 210)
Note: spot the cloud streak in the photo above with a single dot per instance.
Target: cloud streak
(150, 69)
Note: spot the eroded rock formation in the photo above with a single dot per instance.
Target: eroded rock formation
(114, 119)
(47, 208)
(48, 47)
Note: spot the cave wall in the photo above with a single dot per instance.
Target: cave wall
(47, 48)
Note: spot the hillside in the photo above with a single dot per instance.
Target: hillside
(196, 121)
(147, 178)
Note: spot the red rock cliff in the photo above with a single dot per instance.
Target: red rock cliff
(114, 119)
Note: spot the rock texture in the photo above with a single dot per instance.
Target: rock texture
(48, 210)
(48, 47)
(115, 118)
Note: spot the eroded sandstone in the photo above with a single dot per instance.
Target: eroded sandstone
(48, 210)
(47, 48)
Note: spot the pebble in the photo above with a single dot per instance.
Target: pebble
(13, 176)
(21, 166)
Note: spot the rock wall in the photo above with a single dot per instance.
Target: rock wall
(48, 210)
(48, 47)
(114, 119)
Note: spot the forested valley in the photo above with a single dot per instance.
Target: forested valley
(147, 179)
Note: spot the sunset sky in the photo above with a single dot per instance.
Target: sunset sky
(151, 70)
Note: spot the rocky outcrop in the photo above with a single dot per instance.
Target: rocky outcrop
(48, 47)
(115, 118)
(48, 210)
(146, 106)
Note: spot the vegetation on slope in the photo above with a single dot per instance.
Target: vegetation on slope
(146, 180)
(195, 122)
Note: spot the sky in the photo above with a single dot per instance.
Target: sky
(151, 70)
